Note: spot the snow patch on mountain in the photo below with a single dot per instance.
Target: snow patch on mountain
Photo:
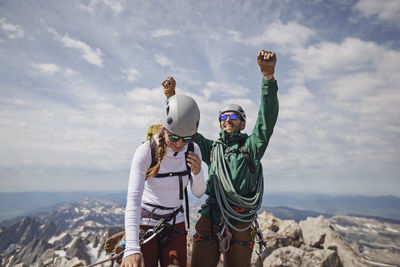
(56, 238)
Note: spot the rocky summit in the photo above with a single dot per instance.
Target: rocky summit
(74, 234)
(312, 242)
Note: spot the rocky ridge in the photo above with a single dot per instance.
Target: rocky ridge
(78, 237)
(312, 242)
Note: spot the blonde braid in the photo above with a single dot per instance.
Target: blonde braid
(160, 154)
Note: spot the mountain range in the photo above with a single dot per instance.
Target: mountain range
(74, 233)
(388, 207)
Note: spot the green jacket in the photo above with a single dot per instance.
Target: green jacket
(256, 144)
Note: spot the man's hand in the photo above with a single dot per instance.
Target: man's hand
(169, 86)
(267, 61)
(134, 260)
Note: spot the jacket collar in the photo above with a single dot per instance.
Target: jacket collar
(232, 138)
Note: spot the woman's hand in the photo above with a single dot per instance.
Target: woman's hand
(169, 86)
(194, 162)
(134, 260)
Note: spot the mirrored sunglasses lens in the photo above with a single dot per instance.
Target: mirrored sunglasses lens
(187, 139)
(174, 138)
(233, 116)
(223, 117)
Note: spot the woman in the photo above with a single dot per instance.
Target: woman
(152, 199)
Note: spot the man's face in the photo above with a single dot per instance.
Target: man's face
(231, 126)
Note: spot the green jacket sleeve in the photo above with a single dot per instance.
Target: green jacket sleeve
(267, 115)
(205, 147)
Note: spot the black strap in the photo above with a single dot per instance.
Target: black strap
(190, 148)
(189, 170)
(150, 214)
(159, 207)
(169, 174)
(187, 207)
(181, 187)
(245, 153)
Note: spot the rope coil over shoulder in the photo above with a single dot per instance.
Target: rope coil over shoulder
(226, 195)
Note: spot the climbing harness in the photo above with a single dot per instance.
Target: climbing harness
(188, 171)
(161, 226)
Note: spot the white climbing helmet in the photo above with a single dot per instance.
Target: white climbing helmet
(235, 108)
(182, 115)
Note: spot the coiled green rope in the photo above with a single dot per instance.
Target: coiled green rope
(227, 196)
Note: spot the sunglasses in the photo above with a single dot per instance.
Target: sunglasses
(175, 138)
(232, 117)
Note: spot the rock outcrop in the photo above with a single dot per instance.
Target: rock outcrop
(318, 232)
(312, 242)
(30, 253)
(292, 256)
(50, 258)
(78, 250)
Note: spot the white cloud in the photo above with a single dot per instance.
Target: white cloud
(296, 104)
(94, 6)
(328, 58)
(291, 34)
(163, 60)
(114, 5)
(131, 74)
(12, 31)
(50, 69)
(225, 89)
(145, 95)
(16, 101)
(163, 32)
(235, 36)
(70, 73)
(351, 87)
(91, 55)
(384, 10)
(45, 68)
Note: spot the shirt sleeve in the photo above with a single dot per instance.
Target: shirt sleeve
(205, 147)
(140, 163)
(267, 116)
(198, 184)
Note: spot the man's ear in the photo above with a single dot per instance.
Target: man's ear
(243, 125)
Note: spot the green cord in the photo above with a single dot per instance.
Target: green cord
(227, 196)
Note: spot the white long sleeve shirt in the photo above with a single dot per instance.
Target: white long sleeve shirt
(156, 191)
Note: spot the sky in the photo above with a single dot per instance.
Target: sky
(80, 83)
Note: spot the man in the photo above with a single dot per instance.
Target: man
(235, 184)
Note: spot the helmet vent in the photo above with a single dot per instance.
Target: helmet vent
(167, 110)
(169, 120)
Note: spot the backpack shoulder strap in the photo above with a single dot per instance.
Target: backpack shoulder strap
(190, 148)
(245, 153)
